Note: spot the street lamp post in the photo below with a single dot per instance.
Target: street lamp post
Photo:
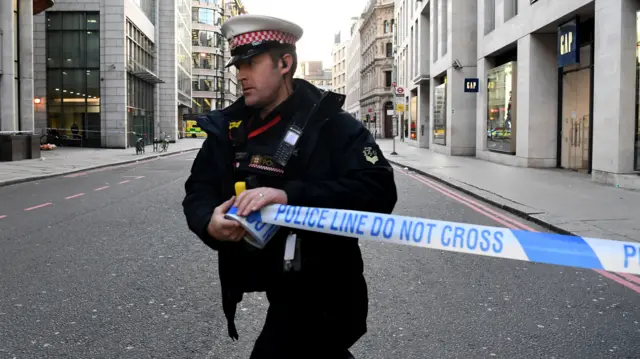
(393, 90)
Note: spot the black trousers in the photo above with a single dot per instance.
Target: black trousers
(286, 337)
(301, 325)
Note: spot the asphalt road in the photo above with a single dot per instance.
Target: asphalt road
(101, 265)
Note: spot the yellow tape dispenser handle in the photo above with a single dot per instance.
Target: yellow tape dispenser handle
(240, 187)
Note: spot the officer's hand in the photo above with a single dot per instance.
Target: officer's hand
(254, 199)
(224, 229)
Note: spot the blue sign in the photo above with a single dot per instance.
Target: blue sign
(568, 50)
(471, 85)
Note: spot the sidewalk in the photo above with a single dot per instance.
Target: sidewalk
(66, 160)
(565, 201)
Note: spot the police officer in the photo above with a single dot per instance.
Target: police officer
(290, 143)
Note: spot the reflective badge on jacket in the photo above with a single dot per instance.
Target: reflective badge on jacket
(265, 163)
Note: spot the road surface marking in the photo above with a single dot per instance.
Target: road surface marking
(1, 217)
(75, 196)
(624, 279)
(38, 206)
(139, 177)
(101, 188)
(123, 182)
(630, 277)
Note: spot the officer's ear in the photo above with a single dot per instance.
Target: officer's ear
(286, 61)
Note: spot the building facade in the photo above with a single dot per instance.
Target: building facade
(314, 72)
(16, 64)
(107, 71)
(339, 68)
(412, 60)
(352, 102)
(233, 88)
(556, 96)
(376, 67)
(208, 56)
(526, 83)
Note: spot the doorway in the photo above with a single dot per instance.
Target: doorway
(576, 122)
(388, 120)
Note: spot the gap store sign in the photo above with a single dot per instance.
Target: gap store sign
(568, 50)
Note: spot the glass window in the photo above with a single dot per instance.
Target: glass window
(73, 21)
(93, 21)
(93, 49)
(54, 91)
(54, 21)
(500, 118)
(439, 115)
(387, 79)
(54, 49)
(73, 77)
(93, 83)
(73, 49)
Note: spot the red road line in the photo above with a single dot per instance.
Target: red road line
(75, 196)
(441, 188)
(1, 217)
(497, 218)
(38, 206)
(621, 278)
(630, 277)
(123, 182)
(101, 188)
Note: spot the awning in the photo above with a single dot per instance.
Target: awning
(141, 72)
(42, 5)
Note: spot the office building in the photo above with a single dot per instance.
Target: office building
(339, 68)
(412, 59)
(314, 72)
(208, 56)
(352, 102)
(106, 70)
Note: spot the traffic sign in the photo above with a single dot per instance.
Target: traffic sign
(370, 110)
(394, 84)
(399, 90)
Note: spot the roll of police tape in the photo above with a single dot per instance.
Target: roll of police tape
(549, 248)
(258, 232)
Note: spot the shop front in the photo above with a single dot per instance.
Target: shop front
(575, 125)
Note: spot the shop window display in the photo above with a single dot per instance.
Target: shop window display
(501, 116)
(440, 114)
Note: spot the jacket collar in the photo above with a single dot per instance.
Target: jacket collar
(305, 97)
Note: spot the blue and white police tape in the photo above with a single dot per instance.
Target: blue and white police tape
(258, 233)
(549, 248)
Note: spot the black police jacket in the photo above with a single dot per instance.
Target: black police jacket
(338, 165)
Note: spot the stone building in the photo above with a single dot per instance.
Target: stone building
(376, 66)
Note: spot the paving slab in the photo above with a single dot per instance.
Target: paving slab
(68, 160)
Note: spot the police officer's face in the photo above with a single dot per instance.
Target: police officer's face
(260, 80)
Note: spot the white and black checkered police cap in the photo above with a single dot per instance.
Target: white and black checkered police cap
(250, 35)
